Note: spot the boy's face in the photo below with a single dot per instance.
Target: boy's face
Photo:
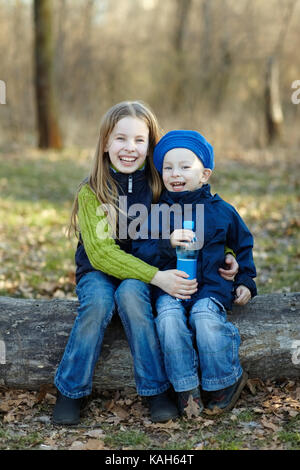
(183, 171)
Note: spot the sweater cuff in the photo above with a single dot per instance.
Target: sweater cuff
(229, 251)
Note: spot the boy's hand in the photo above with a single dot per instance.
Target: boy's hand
(243, 295)
(181, 236)
(232, 268)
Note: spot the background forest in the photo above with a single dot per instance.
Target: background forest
(197, 63)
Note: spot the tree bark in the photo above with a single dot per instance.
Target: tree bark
(273, 110)
(183, 8)
(33, 335)
(47, 123)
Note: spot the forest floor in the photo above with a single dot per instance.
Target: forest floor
(266, 417)
(36, 194)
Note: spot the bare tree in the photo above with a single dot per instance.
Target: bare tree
(181, 18)
(273, 109)
(48, 129)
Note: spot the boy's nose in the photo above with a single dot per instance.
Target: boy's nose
(175, 172)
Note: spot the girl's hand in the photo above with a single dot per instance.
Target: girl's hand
(174, 283)
(233, 267)
(243, 295)
(181, 236)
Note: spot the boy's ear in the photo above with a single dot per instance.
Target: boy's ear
(206, 175)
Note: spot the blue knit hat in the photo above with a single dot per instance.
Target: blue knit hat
(191, 140)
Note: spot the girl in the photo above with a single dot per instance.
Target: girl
(107, 274)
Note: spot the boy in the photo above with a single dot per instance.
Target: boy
(186, 160)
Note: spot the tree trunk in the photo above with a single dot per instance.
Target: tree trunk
(48, 130)
(178, 80)
(33, 335)
(273, 111)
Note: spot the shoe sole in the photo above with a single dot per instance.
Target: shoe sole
(164, 419)
(65, 423)
(235, 397)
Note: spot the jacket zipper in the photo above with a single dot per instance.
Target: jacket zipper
(130, 183)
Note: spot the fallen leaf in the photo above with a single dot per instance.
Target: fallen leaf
(258, 410)
(253, 384)
(214, 411)
(76, 445)
(269, 425)
(207, 422)
(119, 412)
(168, 425)
(192, 408)
(290, 385)
(94, 444)
(96, 433)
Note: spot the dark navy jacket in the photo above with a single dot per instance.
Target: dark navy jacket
(222, 227)
(136, 187)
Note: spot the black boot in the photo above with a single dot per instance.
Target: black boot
(66, 410)
(162, 408)
(225, 399)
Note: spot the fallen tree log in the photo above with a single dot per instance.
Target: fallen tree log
(33, 335)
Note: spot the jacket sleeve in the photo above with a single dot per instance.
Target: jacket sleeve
(154, 249)
(241, 241)
(157, 252)
(103, 252)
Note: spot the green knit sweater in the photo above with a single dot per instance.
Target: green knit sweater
(102, 250)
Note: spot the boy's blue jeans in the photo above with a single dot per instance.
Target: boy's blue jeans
(181, 326)
(98, 294)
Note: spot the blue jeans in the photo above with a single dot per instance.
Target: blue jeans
(98, 294)
(197, 335)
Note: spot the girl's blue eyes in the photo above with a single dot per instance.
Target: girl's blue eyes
(138, 140)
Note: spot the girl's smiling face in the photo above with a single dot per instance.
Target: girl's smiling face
(183, 171)
(128, 144)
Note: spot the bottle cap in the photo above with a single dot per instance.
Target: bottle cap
(188, 224)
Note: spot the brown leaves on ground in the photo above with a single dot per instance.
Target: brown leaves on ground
(264, 412)
(192, 408)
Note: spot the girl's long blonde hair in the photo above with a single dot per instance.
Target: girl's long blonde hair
(100, 179)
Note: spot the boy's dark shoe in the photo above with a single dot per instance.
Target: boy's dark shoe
(225, 399)
(67, 410)
(162, 408)
(190, 403)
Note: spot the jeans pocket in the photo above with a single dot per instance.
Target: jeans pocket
(216, 306)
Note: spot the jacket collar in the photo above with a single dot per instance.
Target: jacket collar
(187, 197)
(138, 175)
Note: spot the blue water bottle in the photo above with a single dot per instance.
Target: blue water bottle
(187, 255)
